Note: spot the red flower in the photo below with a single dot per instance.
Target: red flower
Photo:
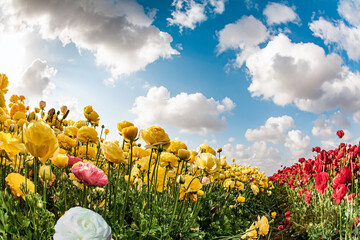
(280, 227)
(339, 193)
(321, 182)
(340, 133)
(287, 213)
(287, 222)
(301, 160)
(308, 168)
(343, 177)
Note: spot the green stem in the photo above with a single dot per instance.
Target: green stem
(128, 185)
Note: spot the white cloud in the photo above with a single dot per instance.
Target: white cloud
(284, 71)
(244, 35)
(277, 13)
(298, 143)
(323, 128)
(231, 139)
(36, 80)
(349, 9)
(347, 38)
(272, 131)
(189, 13)
(120, 35)
(188, 112)
(268, 159)
(247, 31)
(340, 120)
(342, 92)
(356, 116)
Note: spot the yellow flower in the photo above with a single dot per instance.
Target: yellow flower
(2, 99)
(61, 161)
(87, 135)
(123, 124)
(240, 199)
(45, 173)
(15, 181)
(66, 142)
(106, 132)
(263, 225)
(240, 186)
(113, 152)
(168, 160)
(273, 214)
(191, 185)
(19, 115)
(71, 131)
(207, 149)
(139, 152)
(208, 162)
(251, 233)
(154, 136)
(129, 133)
(10, 144)
(255, 189)
(40, 140)
(228, 183)
(87, 110)
(80, 123)
(175, 146)
(4, 83)
(91, 153)
(184, 154)
(219, 149)
(93, 117)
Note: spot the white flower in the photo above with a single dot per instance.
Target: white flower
(81, 223)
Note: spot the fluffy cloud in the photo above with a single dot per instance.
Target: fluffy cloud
(342, 92)
(36, 79)
(244, 35)
(272, 131)
(188, 112)
(258, 154)
(345, 36)
(340, 120)
(189, 13)
(277, 13)
(284, 71)
(119, 33)
(298, 143)
(349, 9)
(323, 128)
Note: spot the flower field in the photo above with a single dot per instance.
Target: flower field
(62, 179)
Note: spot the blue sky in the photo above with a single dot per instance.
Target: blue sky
(264, 80)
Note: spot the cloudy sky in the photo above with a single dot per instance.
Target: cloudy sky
(264, 80)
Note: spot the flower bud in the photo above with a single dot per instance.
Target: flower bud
(180, 179)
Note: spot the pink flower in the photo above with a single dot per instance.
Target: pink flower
(90, 174)
(340, 133)
(205, 181)
(73, 160)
